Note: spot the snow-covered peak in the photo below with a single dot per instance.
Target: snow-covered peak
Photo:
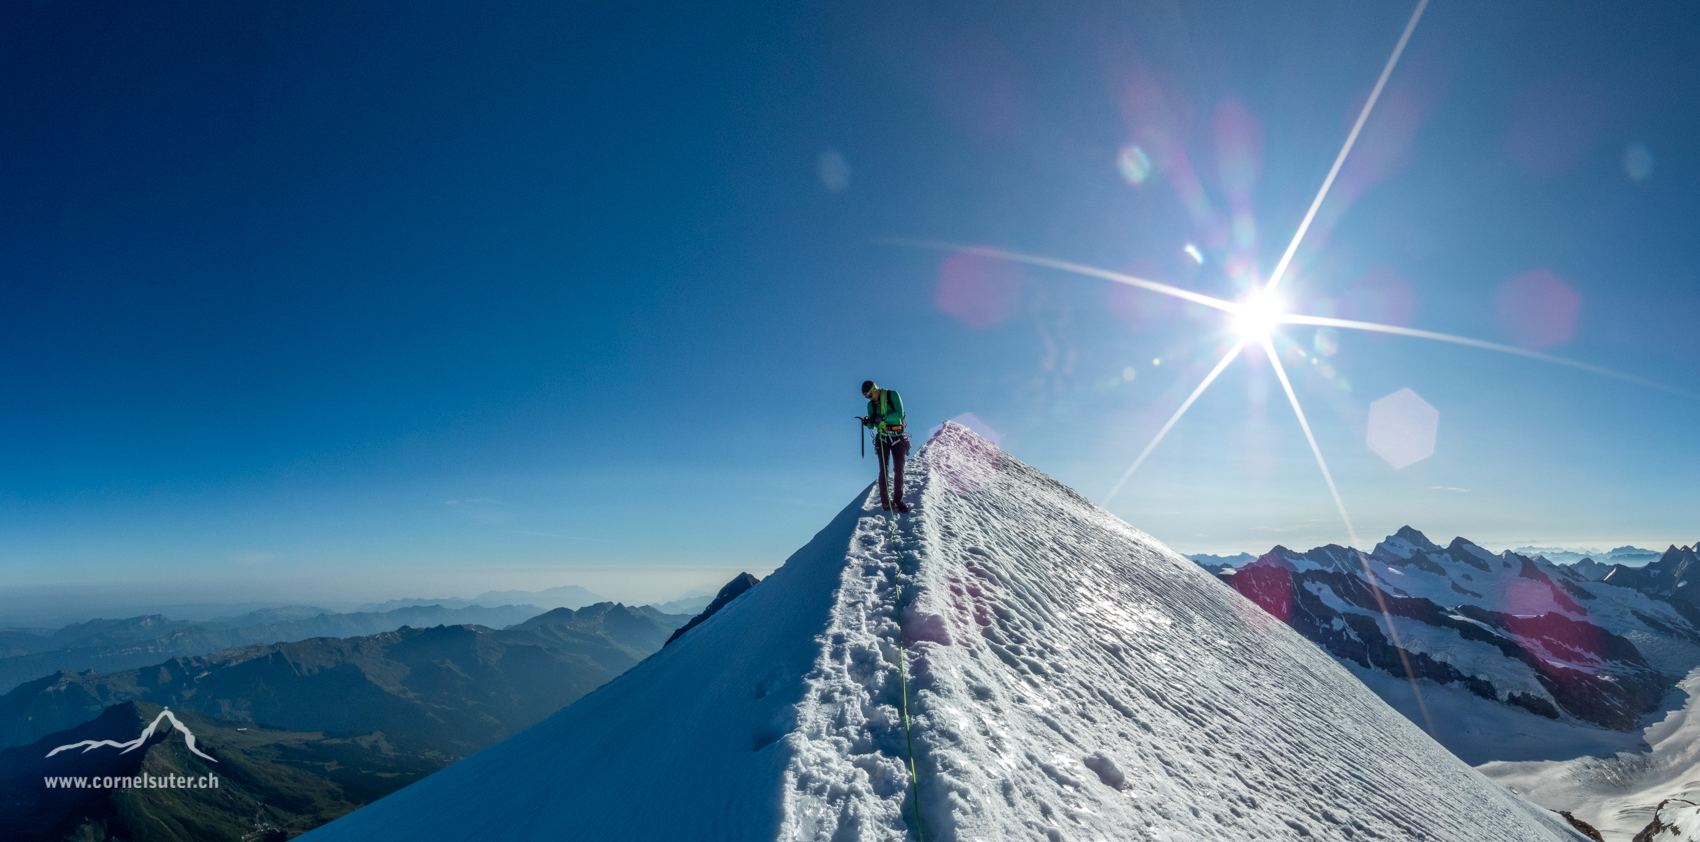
(1069, 678)
(1328, 557)
(1221, 563)
(1415, 537)
(1405, 542)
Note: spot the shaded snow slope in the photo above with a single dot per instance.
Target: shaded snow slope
(1070, 677)
(1480, 730)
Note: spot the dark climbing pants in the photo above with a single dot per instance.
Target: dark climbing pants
(897, 451)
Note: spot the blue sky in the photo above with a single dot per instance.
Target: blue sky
(347, 301)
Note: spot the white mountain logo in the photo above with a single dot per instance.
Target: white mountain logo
(188, 738)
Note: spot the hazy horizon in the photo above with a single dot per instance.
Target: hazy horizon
(64, 603)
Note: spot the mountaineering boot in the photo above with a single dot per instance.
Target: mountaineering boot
(897, 478)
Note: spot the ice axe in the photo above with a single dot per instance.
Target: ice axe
(860, 435)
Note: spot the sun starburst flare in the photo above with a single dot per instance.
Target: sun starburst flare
(1256, 318)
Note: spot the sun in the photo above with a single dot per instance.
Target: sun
(1257, 315)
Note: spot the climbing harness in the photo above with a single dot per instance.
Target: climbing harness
(903, 673)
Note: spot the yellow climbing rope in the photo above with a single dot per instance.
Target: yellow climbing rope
(903, 673)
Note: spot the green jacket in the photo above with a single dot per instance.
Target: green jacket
(888, 413)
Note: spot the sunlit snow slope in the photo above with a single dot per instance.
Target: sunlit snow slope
(1071, 678)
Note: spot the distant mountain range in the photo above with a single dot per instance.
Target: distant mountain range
(566, 596)
(32, 610)
(1585, 561)
(302, 731)
(1518, 632)
(460, 687)
(1218, 563)
(107, 645)
(692, 603)
(1668, 579)
(1632, 556)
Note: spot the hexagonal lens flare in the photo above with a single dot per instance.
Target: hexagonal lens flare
(1402, 427)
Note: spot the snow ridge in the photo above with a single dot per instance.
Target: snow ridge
(1071, 679)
